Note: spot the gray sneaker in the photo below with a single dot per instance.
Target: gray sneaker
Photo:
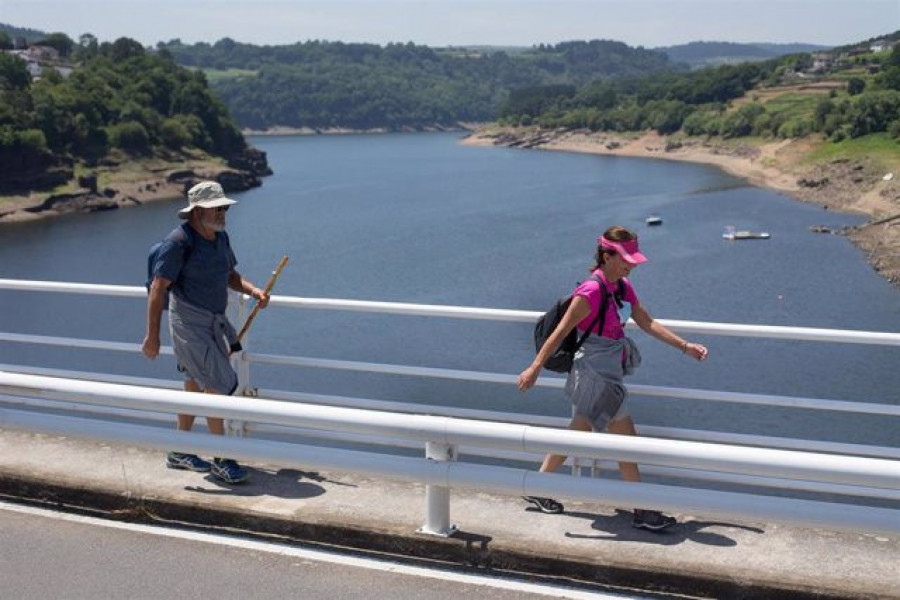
(651, 520)
(187, 462)
(547, 505)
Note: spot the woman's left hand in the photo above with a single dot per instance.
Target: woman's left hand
(697, 351)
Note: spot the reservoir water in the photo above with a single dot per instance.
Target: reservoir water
(419, 218)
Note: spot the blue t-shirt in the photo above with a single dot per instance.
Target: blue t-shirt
(203, 279)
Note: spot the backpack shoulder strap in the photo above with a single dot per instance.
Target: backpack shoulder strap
(619, 295)
(183, 235)
(601, 314)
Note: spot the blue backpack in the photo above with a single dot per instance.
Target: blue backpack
(181, 237)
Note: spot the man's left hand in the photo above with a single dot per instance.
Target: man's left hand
(261, 297)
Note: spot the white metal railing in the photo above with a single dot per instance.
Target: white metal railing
(443, 434)
(668, 461)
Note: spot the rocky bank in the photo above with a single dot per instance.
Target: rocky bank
(112, 184)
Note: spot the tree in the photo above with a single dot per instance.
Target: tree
(60, 42)
(13, 73)
(130, 137)
(855, 86)
(88, 46)
(122, 49)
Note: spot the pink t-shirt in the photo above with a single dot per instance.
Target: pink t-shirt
(590, 290)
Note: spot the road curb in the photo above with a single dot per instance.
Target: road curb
(466, 551)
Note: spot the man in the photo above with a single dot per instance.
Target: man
(195, 263)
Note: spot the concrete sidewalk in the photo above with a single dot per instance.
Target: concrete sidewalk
(589, 543)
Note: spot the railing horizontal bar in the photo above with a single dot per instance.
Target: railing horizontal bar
(776, 332)
(494, 314)
(467, 413)
(66, 342)
(559, 422)
(771, 482)
(557, 382)
(461, 375)
(765, 441)
(92, 376)
(872, 472)
(350, 438)
(870, 408)
(403, 308)
(393, 369)
(530, 457)
(344, 437)
(407, 407)
(86, 409)
(502, 480)
(97, 289)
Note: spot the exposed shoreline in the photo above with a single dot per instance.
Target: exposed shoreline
(280, 130)
(844, 186)
(132, 185)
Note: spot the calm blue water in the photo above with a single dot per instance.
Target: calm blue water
(419, 218)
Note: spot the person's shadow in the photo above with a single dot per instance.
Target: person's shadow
(283, 483)
(618, 528)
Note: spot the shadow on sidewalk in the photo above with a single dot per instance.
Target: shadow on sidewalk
(283, 483)
(618, 528)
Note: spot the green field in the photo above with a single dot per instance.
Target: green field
(794, 105)
(880, 148)
(215, 75)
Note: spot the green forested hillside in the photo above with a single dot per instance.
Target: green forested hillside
(332, 84)
(843, 94)
(118, 99)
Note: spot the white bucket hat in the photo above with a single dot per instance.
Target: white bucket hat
(206, 194)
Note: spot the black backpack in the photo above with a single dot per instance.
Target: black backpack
(561, 360)
(180, 237)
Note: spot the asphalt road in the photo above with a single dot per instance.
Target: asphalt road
(45, 555)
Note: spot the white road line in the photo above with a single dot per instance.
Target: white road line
(322, 556)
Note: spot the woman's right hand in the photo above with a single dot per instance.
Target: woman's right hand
(528, 377)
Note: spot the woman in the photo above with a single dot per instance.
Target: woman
(595, 384)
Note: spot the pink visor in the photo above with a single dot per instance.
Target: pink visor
(629, 250)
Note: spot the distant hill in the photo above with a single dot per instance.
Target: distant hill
(705, 54)
(325, 85)
(30, 35)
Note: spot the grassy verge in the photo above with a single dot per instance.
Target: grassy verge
(879, 148)
(215, 75)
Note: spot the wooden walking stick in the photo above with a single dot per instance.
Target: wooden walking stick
(236, 346)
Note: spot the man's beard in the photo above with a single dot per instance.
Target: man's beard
(214, 225)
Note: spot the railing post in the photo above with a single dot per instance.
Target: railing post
(437, 497)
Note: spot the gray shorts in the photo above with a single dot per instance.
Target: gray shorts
(199, 339)
(598, 400)
(595, 383)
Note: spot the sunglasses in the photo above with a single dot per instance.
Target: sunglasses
(220, 209)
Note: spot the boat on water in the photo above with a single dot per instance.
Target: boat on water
(742, 234)
(653, 220)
